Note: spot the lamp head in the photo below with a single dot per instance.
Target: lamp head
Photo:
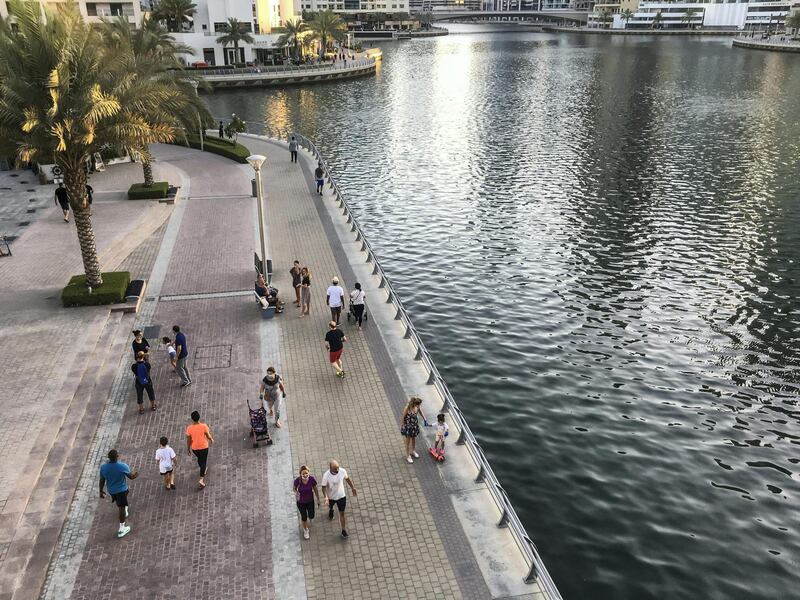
(256, 160)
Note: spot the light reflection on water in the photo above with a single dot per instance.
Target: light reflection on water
(598, 239)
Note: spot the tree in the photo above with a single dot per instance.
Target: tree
(152, 54)
(425, 19)
(234, 32)
(326, 27)
(626, 15)
(295, 31)
(235, 127)
(689, 16)
(793, 22)
(174, 12)
(657, 20)
(63, 96)
(605, 16)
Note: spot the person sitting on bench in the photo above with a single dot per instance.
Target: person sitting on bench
(268, 295)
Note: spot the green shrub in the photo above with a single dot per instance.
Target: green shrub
(111, 292)
(138, 191)
(235, 152)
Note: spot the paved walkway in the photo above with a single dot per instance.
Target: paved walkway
(239, 538)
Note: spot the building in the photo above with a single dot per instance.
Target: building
(666, 14)
(604, 12)
(93, 11)
(354, 7)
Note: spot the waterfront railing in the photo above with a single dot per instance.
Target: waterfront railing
(508, 519)
(289, 69)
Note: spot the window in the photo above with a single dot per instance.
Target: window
(91, 9)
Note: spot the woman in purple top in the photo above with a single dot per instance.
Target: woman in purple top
(305, 489)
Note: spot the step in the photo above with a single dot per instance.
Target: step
(40, 523)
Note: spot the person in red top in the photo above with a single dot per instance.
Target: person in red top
(198, 439)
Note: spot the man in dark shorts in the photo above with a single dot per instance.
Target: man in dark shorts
(333, 492)
(319, 176)
(115, 475)
(334, 342)
(62, 200)
(297, 280)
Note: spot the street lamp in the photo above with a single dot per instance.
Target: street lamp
(199, 121)
(256, 160)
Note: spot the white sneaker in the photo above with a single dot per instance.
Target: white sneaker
(306, 534)
(123, 531)
(414, 454)
(409, 459)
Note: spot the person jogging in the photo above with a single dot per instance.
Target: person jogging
(198, 439)
(114, 475)
(334, 342)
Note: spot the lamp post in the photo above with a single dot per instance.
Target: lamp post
(256, 160)
(199, 121)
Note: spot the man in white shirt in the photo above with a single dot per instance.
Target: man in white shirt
(333, 492)
(334, 299)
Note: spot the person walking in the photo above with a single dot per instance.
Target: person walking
(334, 342)
(357, 299)
(293, 145)
(271, 393)
(297, 280)
(167, 461)
(114, 475)
(334, 494)
(89, 195)
(319, 176)
(141, 373)
(305, 291)
(198, 439)
(140, 344)
(305, 491)
(62, 200)
(409, 426)
(172, 354)
(334, 297)
(221, 130)
(183, 354)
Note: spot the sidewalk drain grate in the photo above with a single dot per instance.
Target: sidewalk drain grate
(212, 357)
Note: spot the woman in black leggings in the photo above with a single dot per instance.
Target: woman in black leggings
(198, 439)
(357, 297)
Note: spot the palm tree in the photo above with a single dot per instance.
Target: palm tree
(63, 96)
(626, 15)
(295, 31)
(233, 33)
(174, 12)
(152, 54)
(657, 20)
(327, 26)
(793, 22)
(425, 19)
(689, 16)
(605, 16)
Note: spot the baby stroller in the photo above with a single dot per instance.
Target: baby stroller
(258, 425)
(351, 314)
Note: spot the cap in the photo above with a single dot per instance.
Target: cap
(335, 280)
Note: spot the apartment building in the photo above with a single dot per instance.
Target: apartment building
(93, 11)
(356, 6)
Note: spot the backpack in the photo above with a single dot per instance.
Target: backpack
(141, 373)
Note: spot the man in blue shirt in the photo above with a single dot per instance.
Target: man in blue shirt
(183, 354)
(115, 475)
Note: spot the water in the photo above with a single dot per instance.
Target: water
(599, 241)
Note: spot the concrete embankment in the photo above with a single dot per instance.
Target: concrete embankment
(776, 46)
(667, 32)
(270, 76)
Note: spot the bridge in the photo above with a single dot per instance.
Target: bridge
(567, 14)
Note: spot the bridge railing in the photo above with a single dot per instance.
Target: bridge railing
(508, 519)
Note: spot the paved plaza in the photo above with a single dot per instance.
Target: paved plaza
(239, 537)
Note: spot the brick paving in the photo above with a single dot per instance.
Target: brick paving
(406, 541)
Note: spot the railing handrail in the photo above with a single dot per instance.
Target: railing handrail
(509, 518)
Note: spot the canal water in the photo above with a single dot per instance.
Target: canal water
(599, 240)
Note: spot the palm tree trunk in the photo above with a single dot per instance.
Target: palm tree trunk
(75, 182)
(147, 171)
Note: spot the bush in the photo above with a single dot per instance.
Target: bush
(138, 191)
(111, 292)
(224, 148)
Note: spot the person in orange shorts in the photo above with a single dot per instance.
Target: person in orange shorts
(198, 439)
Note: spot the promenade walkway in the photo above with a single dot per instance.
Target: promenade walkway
(416, 531)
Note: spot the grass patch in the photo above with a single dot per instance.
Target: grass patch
(111, 292)
(138, 191)
(235, 152)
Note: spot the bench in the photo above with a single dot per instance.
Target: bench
(267, 312)
(5, 249)
(134, 296)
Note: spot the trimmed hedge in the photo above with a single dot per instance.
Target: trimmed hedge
(111, 292)
(235, 152)
(138, 191)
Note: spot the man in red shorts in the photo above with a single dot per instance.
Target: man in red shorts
(334, 342)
